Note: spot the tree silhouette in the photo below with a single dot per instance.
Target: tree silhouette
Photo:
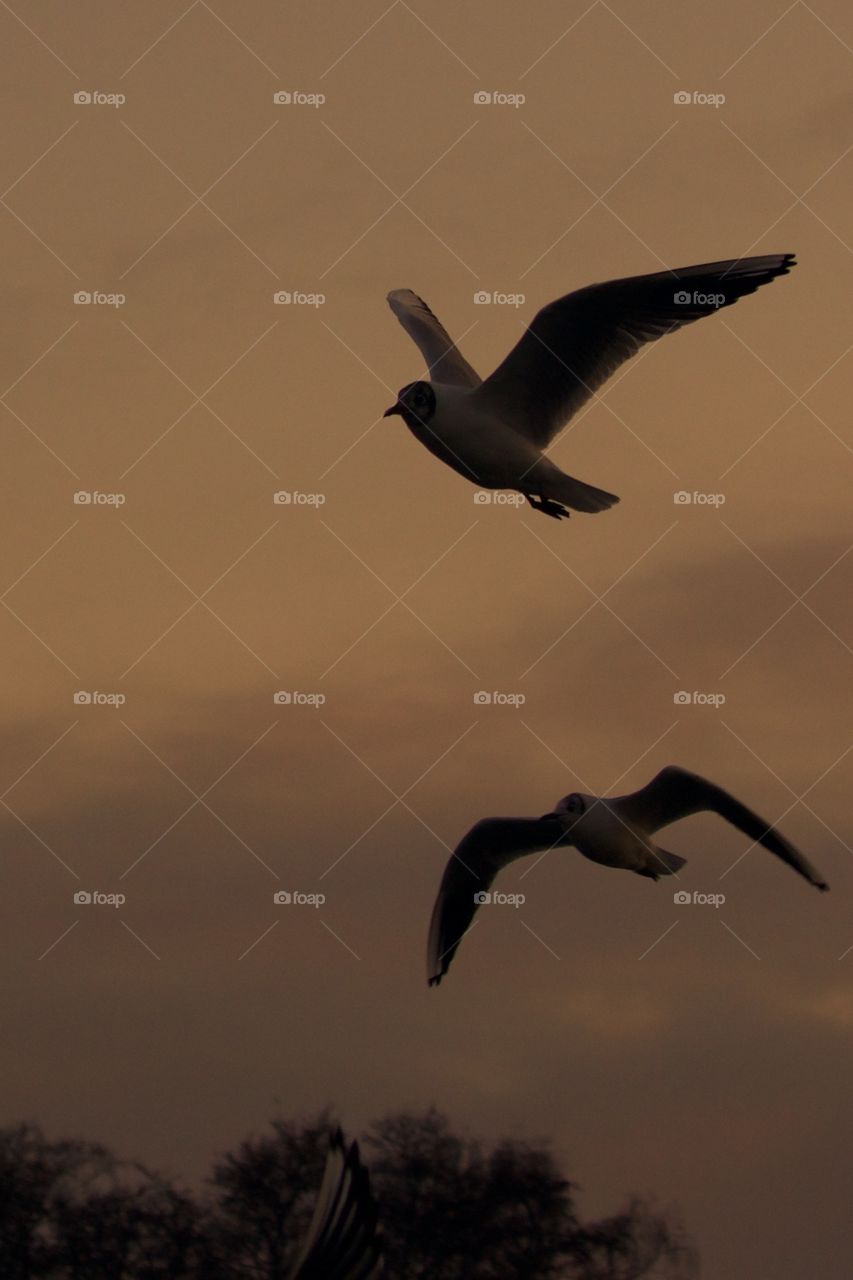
(450, 1208)
(71, 1210)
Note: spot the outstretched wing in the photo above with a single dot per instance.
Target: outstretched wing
(472, 867)
(575, 343)
(675, 793)
(341, 1243)
(445, 363)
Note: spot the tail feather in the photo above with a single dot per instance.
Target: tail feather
(666, 864)
(578, 495)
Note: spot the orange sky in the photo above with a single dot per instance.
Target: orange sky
(698, 1053)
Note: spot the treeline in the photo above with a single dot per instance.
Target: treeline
(450, 1209)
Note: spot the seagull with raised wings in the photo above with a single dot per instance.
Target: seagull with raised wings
(496, 433)
(616, 832)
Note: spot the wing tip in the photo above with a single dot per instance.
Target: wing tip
(404, 298)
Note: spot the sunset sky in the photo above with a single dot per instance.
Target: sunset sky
(700, 1053)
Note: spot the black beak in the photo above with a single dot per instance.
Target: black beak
(395, 408)
(550, 817)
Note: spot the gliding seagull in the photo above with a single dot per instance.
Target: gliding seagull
(615, 832)
(495, 433)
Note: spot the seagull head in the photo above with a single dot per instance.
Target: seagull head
(569, 809)
(415, 404)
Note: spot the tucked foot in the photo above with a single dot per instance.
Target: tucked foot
(548, 507)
